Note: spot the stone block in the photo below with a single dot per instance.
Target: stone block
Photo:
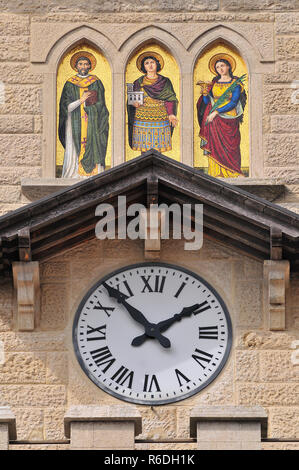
(13, 175)
(102, 427)
(281, 150)
(228, 428)
(277, 100)
(158, 423)
(14, 25)
(36, 341)
(21, 150)
(249, 306)
(268, 394)
(23, 368)
(38, 124)
(57, 368)
(53, 424)
(19, 73)
(275, 5)
(290, 175)
(284, 422)
(285, 124)
(16, 124)
(14, 48)
(247, 366)
(277, 366)
(7, 427)
(54, 306)
(54, 270)
(4, 440)
(30, 423)
(287, 48)
(21, 99)
(264, 340)
(287, 23)
(10, 194)
(33, 395)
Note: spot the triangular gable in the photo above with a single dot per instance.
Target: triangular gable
(231, 215)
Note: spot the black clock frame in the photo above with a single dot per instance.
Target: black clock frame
(148, 402)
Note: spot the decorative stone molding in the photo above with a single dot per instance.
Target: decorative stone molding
(27, 295)
(228, 427)
(7, 427)
(152, 220)
(276, 283)
(102, 427)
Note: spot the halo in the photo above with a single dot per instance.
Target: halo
(149, 54)
(79, 54)
(220, 56)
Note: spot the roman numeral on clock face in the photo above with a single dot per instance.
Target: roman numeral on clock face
(208, 332)
(103, 356)
(101, 330)
(122, 376)
(153, 285)
(180, 376)
(124, 286)
(202, 307)
(202, 358)
(99, 306)
(150, 382)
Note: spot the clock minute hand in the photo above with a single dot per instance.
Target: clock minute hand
(150, 328)
(165, 324)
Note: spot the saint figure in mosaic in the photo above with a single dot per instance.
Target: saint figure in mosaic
(83, 120)
(152, 119)
(220, 111)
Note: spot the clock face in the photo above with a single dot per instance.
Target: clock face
(152, 333)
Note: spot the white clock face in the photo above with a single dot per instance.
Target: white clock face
(152, 333)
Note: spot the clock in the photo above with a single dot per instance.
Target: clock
(152, 333)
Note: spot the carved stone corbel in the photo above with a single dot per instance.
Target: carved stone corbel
(151, 220)
(276, 283)
(26, 295)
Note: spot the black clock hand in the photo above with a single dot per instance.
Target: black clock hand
(150, 328)
(165, 324)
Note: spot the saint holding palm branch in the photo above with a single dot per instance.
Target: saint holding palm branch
(220, 111)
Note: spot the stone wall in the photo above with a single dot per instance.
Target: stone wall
(270, 26)
(41, 377)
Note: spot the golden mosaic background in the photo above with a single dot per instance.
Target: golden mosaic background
(171, 71)
(202, 72)
(103, 72)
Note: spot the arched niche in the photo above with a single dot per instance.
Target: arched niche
(221, 147)
(156, 127)
(65, 73)
(247, 48)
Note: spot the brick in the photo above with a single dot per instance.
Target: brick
(19, 73)
(14, 25)
(14, 48)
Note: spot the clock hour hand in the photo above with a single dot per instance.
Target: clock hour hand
(150, 328)
(165, 324)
